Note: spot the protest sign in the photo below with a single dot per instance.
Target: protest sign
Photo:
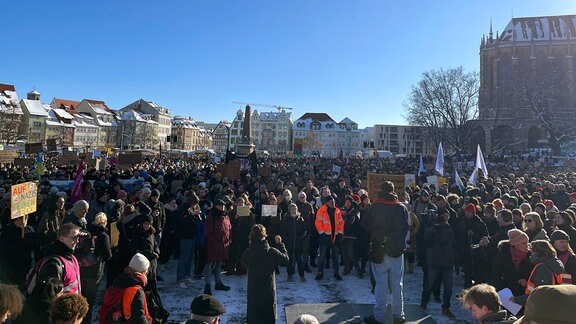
(23, 198)
(32, 148)
(130, 158)
(23, 162)
(410, 180)
(269, 210)
(375, 180)
(51, 144)
(243, 211)
(8, 156)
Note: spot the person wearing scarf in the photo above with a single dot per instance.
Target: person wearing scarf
(512, 264)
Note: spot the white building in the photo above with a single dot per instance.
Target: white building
(86, 132)
(317, 133)
(108, 135)
(10, 115)
(271, 131)
(349, 137)
(138, 130)
(161, 115)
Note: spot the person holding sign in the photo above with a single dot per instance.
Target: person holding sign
(16, 242)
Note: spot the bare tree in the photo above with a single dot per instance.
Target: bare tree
(312, 142)
(443, 102)
(10, 121)
(544, 89)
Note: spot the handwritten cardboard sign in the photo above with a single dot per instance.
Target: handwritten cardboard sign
(23, 197)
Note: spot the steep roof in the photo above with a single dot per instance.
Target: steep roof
(35, 108)
(317, 116)
(69, 105)
(540, 29)
(9, 87)
(99, 107)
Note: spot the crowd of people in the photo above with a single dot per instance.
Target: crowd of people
(512, 229)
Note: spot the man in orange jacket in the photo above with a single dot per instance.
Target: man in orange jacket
(330, 227)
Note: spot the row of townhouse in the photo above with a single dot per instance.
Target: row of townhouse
(90, 124)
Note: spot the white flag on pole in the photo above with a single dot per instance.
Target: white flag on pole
(440, 161)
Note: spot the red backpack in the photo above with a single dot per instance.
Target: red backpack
(117, 305)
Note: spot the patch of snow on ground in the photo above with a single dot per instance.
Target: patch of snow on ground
(350, 290)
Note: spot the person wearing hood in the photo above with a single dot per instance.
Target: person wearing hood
(561, 243)
(293, 230)
(386, 223)
(547, 269)
(134, 275)
(127, 226)
(352, 231)
(261, 260)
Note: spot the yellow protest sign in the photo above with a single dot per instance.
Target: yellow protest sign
(23, 197)
(375, 180)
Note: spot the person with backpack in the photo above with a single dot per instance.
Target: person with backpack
(59, 265)
(125, 300)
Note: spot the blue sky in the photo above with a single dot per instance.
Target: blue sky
(355, 59)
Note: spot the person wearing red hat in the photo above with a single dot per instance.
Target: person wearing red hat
(474, 230)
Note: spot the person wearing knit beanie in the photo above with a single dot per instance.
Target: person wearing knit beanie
(470, 208)
(517, 238)
(139, 263)
(559, 235)
(122, 195)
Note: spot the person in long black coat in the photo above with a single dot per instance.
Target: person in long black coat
(261, 260)
(16, 243)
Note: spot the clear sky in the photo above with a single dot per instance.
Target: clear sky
(355, 59)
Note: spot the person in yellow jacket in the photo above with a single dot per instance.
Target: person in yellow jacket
(330, 227)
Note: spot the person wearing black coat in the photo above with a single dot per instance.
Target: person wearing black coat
(261, 261)
(474, 229)
(293, 230)
(512, 272)
(440, 242)
(90, 276)
(352, 231)
(16, 243)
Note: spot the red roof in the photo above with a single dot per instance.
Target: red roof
(9, 87)
(316, 116)
(68, 105)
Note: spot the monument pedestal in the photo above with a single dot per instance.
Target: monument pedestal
(244, 149)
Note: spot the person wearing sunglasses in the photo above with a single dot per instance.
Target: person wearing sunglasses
(533, 226)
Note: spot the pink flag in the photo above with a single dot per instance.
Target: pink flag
(77, 187)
